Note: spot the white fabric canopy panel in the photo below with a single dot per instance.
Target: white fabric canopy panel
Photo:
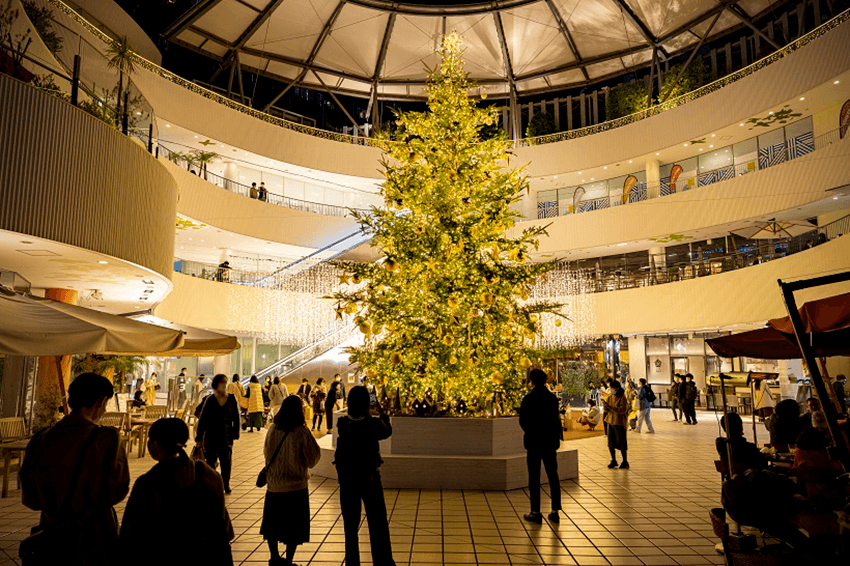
(548, 44)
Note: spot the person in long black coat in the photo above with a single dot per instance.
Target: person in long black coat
(540, 420)
(218, 427)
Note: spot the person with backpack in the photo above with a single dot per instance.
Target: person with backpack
(646, 396)
(162, 496)
(290, 451)
(319, 395)
(358, 462)
(74, 472)
(691, 394)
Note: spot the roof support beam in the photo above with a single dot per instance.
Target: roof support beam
(338, 103)
(567, 36)
(652, 75)
(645, 31)
(691, 58)
(739, 13)
(307, 64)
(376, 75)
(243, 38)
(189, 17)
(509, 74)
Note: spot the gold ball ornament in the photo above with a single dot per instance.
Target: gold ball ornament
(391, 265)
(483, 96)
(351, 308)
(488, 298)
(452, 359)
(533, 318)
(525, 363)
(558, 322)
(365, 328)
(497, 377)
(356, 279)
(448, 340)
(395, 358)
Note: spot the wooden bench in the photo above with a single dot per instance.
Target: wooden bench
(12, 429)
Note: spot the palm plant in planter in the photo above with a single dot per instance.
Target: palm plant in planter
(202, 158)
(110, 366)
(120, 56)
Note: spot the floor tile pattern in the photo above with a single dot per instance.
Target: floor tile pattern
(654, 514)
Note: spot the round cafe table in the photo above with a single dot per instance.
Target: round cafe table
(144, 424)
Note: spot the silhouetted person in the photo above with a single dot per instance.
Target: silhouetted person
(745, 454)
(616, 415)
(218, 427)
(222, 272)
(540, 420)
(162, 496)
(358, 462)
(838, 386)
(74, 472)
(290, 451)
(330, 404)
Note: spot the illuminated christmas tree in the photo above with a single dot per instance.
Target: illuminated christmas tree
(445, 311)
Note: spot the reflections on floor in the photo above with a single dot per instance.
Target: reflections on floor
(654, 514)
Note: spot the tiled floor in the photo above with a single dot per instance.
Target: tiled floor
(654, 514)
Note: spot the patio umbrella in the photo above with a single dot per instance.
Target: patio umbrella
(31, 326)
(197, 342)
(773, 229)
(771, 344)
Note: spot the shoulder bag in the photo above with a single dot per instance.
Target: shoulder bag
(198, 450)
(261, 477)
(49, 544)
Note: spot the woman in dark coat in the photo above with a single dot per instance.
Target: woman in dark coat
(330, 404)
(163, 496)
(218, 427)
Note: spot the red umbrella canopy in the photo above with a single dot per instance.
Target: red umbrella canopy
(823, 315)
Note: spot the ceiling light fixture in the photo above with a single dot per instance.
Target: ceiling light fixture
(168, 125)
(103, 262)
(836, 82)
(741, 124)
(802, 98)
(657, 153)
(714, 135)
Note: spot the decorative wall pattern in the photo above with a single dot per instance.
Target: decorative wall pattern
(68, 177)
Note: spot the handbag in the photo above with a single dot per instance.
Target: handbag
(261, 477)
(50, 544)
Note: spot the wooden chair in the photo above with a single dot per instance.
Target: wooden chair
(118, 421)
(12, 429)
(155, 412)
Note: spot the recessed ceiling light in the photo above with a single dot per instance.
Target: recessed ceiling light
(771, 113)
(582, 181)
(657, 153)
(630, 160)
(836, 82)
(103, 262)
(606, 167)
(168, 125)
(714, 135)
(555, 177)
(711, 145)
(741, 124)
(196, 137)
(579, 172)
(700, 149)
(802, 98)
(137, 307)
(834, 198)
(684, 145)
(623, 244)
(138, 113)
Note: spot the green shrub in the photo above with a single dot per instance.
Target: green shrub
(42, 21)
(541, 124)
(626, 99)
(695, 76)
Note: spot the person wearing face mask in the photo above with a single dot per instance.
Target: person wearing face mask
(162, 496)
(218, 427)
(74, 472)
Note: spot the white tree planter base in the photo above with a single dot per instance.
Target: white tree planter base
(453, 453)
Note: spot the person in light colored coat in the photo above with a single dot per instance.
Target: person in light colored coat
(277, 393)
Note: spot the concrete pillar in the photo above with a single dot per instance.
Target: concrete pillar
(253, 355)
(54, 372)
(658, 264)
(583, 109)
(222, 364)
(230, 174)
(569, 106)
(557, 108)
(653, 178)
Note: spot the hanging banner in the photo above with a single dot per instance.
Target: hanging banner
(577, 196)
(630, 182)
(674, 176)
(844, 120)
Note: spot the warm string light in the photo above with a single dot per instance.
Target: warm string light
(573, 290)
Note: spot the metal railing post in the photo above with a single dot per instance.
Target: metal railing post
(125, 117)
(75, 81)
(150, 137)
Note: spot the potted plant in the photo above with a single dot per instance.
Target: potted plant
(120, 56)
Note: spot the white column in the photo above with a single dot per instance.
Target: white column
(253, 355)
(231, 173)
(653, 178)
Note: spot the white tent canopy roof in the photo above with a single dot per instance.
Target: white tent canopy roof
(539, 45)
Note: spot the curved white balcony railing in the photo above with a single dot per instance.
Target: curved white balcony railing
(765, 158)
(561, 136)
